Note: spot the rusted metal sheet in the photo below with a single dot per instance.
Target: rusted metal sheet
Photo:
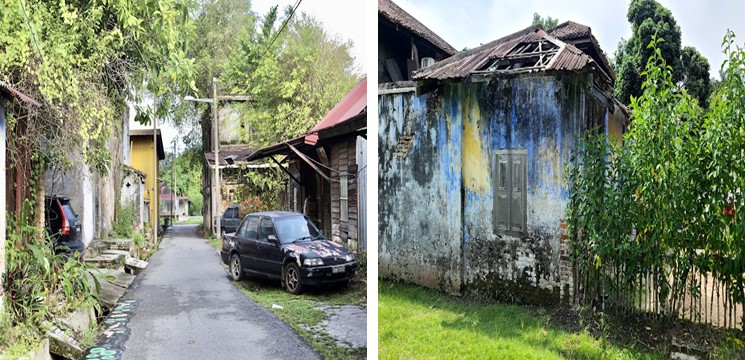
(518, 52)
(5, 88)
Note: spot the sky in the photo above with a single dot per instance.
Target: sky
(471, 23)
(345, 18)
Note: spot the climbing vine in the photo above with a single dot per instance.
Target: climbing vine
(82, 59)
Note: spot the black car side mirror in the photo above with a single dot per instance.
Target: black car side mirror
(273, 240)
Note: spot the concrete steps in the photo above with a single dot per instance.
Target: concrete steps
(116, 268)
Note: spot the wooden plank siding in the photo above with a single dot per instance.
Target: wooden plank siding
(343, 159)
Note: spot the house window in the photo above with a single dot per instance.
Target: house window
(344, 198)
(510, 197)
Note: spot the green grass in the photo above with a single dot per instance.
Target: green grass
(190, 221)
(418, 323)
(214, 242)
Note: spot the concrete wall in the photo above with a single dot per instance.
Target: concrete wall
(543, 115)
(78, 183)
(436, 188)
(132, 194)
(420, 236)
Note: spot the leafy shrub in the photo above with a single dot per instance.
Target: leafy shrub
(123, 226)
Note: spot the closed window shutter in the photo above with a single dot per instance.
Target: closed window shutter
(517, 221)
(510, 195)
(502, 203)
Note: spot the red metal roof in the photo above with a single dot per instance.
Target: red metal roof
(351, 105)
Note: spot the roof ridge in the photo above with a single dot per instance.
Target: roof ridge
(493, 43)
(444, 44)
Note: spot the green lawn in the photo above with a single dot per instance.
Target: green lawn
(190, 221)
(417, 323)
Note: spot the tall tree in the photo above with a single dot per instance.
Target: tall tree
(695, 77)
(689, 69)
(547, 22)
(294, 82)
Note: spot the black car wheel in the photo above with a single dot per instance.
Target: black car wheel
(292, 279)
(236, 268)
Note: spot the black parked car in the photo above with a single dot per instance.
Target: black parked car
(287, 246)
(63, 226)
(230, 220)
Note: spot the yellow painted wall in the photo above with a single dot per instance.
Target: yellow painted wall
(141, 158)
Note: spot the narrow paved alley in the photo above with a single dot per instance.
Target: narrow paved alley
(184, 307)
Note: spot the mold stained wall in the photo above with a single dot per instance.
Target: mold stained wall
(419, 202)
(542, 114)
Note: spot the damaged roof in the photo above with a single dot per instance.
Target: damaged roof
(528, 50)
(398, 16)
(239, 153)
(581, 36)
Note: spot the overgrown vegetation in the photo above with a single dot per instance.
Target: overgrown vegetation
(652, 220)
(81, 59)
(123, 225)
(38, 285)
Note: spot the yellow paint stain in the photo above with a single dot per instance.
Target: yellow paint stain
(476, 174)
(549, 169)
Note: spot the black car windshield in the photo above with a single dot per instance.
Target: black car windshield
(294, 228)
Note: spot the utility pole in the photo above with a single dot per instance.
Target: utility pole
(173, 191)
(155, 198)
(216, 191)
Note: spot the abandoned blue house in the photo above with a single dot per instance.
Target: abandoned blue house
(472, 155)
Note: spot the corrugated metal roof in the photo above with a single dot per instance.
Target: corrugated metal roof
(478, 60)
(7, 89)
(570, 30)
(581, 36)
(351, 105)
(400, 17)
(239, 153)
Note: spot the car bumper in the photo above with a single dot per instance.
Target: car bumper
(325, 274)
(225, 256)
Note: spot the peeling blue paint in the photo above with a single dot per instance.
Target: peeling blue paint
(539, 113)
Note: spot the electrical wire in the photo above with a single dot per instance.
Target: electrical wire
(31, 30)
(284, 24)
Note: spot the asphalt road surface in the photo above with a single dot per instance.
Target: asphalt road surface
(186, 308)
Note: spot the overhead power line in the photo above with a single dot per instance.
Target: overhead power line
(284, 24)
